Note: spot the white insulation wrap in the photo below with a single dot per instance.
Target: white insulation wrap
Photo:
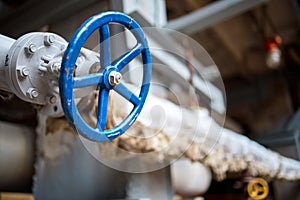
(223, 150)
(172, 132)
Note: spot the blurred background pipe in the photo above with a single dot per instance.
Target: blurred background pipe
(17, 146)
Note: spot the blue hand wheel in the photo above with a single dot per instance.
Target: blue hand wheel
(107, 79)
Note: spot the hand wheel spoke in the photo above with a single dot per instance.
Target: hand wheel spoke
(88, 80)
(104, 45)
(102, 108)
(127, 94)
(126, 58)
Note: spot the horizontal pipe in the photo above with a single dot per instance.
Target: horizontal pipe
(194, 134)
(5, 45)
(211, 14)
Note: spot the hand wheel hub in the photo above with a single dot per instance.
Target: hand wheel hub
(114, 78)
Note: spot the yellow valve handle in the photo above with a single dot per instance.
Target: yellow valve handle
(258, 189)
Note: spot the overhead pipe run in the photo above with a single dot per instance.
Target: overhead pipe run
(211, 14)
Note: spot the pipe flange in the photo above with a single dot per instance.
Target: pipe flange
(29, 76)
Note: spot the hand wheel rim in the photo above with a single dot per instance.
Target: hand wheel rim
(67, 81)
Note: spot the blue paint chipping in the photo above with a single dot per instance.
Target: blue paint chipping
(68, 82)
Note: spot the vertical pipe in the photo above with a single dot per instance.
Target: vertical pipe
(297, 141)
(17, 144)
(5, 45)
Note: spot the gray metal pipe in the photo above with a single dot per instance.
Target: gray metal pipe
(17, 145)
(211, 14)
(5, 45)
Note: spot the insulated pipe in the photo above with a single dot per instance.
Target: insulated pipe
(16, 157)
(5, 45)
(197, 136)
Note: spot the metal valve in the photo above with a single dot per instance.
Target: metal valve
(110, 78)
(39, 69)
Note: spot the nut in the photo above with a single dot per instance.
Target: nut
(23, 71)
(49, 39)
(32, 93)
(55, 68)
(31, 49)
(51, 99)
(114, 78)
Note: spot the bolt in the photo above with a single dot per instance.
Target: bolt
(118, 77)
(42, 68)
(31, 49)
(32, 93)
(114, 78)
(55, 67)
(23, 71)
(49, 39)
(62, 47)
(51, 99)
